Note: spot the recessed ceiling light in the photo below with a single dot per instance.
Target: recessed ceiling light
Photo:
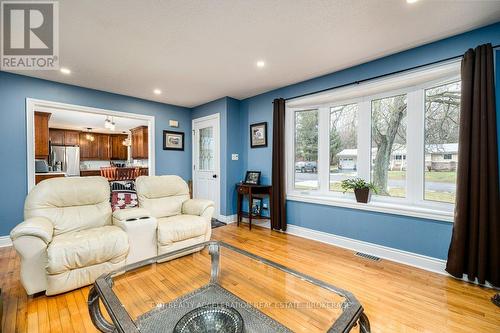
(411, 1)
(157, 91)
(65, 70)
(261, 63)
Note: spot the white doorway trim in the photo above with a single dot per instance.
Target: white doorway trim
(215, 116)
(43, 105)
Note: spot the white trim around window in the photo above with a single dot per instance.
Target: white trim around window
(411, 83)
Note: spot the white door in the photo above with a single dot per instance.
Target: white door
(206, 172)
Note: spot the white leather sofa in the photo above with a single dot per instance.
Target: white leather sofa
(70, 237)
(67, 239)
(181, 221)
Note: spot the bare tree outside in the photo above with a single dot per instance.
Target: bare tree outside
(388, 135)
(442, 113)
(343, 144)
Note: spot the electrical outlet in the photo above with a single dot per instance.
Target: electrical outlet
(234, 157)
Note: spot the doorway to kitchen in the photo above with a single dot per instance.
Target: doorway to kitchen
(65, 140)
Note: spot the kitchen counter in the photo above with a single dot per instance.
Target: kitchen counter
(99, 169)
(39, 176)
(50, 173)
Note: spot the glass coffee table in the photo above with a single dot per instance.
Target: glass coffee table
(220, 289)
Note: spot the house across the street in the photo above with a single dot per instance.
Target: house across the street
(438, 157)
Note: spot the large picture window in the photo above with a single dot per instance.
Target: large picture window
(400, 133)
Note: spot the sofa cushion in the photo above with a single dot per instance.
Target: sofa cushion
(163, 196)
(86, 248)
(180, 227)
(70, 203)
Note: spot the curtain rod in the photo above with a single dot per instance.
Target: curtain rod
(380, 76)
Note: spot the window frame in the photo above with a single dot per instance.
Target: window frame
(414, 204)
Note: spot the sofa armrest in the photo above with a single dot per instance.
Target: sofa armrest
(130, 213)
(37, 226)
(196, 206)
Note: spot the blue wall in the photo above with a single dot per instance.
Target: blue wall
(231, 143)
(421, 236)
(234, 146)
(14, 89)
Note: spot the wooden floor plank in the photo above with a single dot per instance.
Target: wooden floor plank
(397, 298)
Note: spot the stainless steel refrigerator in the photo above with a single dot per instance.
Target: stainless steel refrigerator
(69, 158)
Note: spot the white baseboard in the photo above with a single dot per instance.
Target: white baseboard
(408, 258)
(228, 218)
(232, 219)
(5, 241)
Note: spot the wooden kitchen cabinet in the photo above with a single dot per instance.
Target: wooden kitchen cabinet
(61, 137)
(97, 150)
(140, 142)
(89, 150)
(89, 173)
(42, 135)
(103, 147)
(118, 150)
(56, 136)
(40, 177)
(71, 138)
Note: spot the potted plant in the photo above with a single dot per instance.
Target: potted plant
(361, 188)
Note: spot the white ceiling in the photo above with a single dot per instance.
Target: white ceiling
(66, 119)
(197, 51)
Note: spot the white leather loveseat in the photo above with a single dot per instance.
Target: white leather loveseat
(67, 239)
(181, 221)
(70, 237)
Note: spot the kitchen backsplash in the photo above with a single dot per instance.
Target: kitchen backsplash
(93, 165)
(96, 165)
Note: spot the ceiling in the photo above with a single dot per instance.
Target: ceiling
(197, 51)
(75, 120)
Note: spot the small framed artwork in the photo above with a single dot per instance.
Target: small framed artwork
(252, 178)
(258, 135)
(256, 206)
(173, 140)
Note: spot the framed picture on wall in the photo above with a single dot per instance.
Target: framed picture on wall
(258, 135)
(173, 140)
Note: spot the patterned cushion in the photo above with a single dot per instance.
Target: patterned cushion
(122, 185)
(123, 194)
(123, 199)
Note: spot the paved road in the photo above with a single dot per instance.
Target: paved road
(337, 177)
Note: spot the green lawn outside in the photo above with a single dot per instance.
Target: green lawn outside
(397, 192)
(431, 176)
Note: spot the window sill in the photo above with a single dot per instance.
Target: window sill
(375, 206)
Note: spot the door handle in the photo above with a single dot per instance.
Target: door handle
(214, 176)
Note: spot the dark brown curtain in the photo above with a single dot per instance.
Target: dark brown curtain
(475, 244)
(278, 194)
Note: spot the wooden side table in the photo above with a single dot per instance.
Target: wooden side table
(252, 191)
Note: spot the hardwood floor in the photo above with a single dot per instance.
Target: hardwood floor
(396, 298)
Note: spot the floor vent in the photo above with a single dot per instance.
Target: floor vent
(367, 256)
